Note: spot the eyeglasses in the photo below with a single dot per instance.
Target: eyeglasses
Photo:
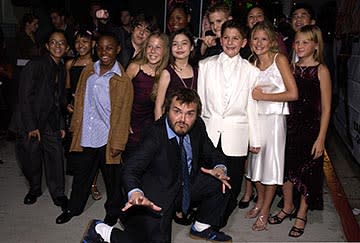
(57, 43)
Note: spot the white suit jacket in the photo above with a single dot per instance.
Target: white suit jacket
(236, 120)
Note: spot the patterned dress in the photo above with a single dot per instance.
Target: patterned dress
(303, 126)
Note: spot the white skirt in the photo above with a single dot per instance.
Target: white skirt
(267, 166)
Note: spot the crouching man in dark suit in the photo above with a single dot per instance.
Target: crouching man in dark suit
(176, 164)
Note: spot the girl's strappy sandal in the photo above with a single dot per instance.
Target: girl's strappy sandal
(277, 220)
(296, 231)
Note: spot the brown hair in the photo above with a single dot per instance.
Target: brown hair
(184, 96)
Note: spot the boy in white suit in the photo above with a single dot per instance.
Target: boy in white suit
(225, 83)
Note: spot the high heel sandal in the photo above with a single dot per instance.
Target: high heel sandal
(253, 213)
(277, 220)
(245, 204)
(260, 224)
(95, 193)
(296, 231)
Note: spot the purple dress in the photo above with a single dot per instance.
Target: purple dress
(142, 113)
(177, 82)
(303, 126)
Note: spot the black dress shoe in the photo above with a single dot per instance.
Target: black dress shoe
(61, 202)
(64, 217)
(110, 220)
(30, 199)
(245, 204)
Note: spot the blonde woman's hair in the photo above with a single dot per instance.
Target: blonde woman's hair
(271, 33)
(313, 33)
(141, 58)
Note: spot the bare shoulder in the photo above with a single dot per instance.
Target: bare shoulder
(324, 75)
(323, 69)
(281, 59)
(164, 74)
(132, 69)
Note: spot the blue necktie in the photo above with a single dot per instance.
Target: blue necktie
(186, 178)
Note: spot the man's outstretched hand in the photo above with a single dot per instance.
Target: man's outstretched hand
(219, 174)
(138, 198)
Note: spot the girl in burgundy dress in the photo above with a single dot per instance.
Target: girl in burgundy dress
(179, 73)
(144, 72)
(307, 125)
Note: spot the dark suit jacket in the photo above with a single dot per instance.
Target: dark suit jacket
(155, 167)
(36, 97)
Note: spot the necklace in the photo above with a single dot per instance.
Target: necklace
(182, 81)
(302, 70)
(179, 69)
(152, 70)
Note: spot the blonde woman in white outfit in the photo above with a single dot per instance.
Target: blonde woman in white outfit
(225, 83)
(275, 86)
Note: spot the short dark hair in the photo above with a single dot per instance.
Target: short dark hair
(141, 18)
(184, 96)
(59, 11)
(59, 31)
(182, 6)
(28, 18)
(305, 6)
(236, 25)
(110, 35)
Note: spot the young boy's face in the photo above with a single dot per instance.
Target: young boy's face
(300, 18)
(107, 51)
(57, 46)
(232, 41)
(216, 20)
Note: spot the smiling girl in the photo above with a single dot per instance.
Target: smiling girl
(179, 73)
(275, 85)
(307, 126)
(144, 72)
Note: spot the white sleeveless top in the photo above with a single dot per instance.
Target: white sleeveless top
(270, 81)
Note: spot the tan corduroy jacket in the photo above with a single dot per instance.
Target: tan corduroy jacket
(121, 99)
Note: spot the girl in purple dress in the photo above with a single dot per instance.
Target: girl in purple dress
(307, 125)
(144, 72)
(179, 73)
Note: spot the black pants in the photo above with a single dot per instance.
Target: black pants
(235, 170)
(85, 165)
(32, 154)
(206, 191)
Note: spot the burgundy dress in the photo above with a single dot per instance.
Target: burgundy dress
(142, 113)
(177, 82)
(303, 125)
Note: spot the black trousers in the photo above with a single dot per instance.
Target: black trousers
(85, 165)
(206, 191)
(32, 154)
(235, 170)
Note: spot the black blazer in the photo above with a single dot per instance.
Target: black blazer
(155, 167)
(36, 97)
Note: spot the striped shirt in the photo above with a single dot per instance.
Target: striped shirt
(97, 109)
